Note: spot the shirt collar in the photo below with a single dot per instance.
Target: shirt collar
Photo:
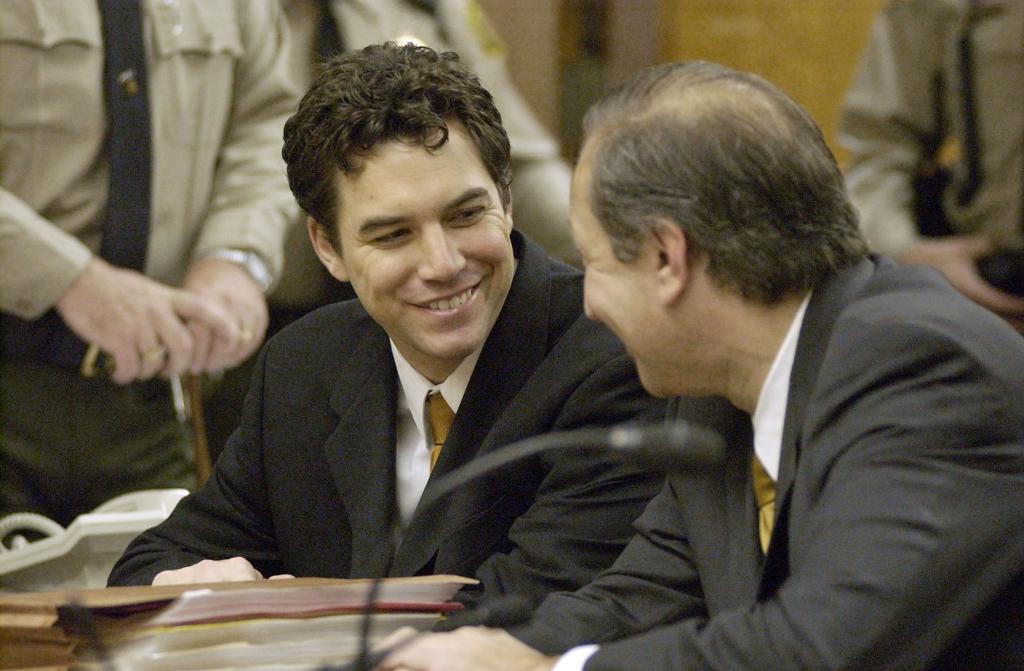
(413, 387)
(770, 411)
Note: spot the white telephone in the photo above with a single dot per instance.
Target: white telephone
(82, 555)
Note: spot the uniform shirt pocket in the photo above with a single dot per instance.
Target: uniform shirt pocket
(197, 45)
(51, 65)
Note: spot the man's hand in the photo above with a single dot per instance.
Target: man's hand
(465, 649)
(236, 569)
(137, 321)
(956, 257)
(237, 293)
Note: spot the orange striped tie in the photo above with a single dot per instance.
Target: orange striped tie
(764, 494)
(440, 416)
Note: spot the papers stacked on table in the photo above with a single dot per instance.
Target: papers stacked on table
(281, 624)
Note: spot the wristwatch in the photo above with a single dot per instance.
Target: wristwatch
(251, 261)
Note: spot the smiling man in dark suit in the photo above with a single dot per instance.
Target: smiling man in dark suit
(400, 159)
(870, 513)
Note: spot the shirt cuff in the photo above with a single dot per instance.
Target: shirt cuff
(575, 659)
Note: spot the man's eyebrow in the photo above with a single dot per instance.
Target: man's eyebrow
(466, 196)
(374, 224)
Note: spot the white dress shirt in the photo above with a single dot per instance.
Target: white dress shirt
(768, 419)
(412, 446)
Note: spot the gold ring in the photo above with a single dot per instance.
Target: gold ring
(154, 354)
(92, 354)
(244, 334)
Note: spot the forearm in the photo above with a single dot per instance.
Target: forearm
(653, 582)
(227, 517)
(203, 526)
(40, 261)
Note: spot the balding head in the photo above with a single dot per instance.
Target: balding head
(736, 164)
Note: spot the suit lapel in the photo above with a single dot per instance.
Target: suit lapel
(717, 504)
(822, 312)
(515, 347)
(737, 512)
(361, 452)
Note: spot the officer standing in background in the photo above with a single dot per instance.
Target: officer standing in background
(939, 83)
(143, 205)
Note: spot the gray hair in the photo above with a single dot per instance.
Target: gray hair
(736, 164)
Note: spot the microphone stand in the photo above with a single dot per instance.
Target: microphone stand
(668, 447)
(365, 661)
(81, 617)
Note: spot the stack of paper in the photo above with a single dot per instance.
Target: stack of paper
(281, 624)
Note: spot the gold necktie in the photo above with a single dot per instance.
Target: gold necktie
(764, 494)
(440, 417)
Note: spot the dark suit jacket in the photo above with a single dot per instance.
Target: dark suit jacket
(899, 535)
(307, 484)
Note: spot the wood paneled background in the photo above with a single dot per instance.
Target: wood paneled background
(809, 48)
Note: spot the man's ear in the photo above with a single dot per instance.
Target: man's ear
(508, 213)
(673, 267)
(325, 250)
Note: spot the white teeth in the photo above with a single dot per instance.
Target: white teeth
(450, 303)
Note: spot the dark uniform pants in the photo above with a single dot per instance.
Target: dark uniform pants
(69, 443)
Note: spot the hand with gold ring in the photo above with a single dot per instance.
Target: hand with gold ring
(238, 295)
(153, 360)
(155, 354)
(132, 319)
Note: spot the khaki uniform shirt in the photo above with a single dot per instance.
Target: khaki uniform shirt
(889, 109)
(219, 94)
(540, 188)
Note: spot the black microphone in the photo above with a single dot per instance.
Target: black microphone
(668, 447)
(671, 447)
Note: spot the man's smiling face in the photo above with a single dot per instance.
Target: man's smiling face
(424, 240)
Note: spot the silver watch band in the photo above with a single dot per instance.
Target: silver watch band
(251, 261)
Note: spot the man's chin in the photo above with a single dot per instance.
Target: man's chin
(654, 385)
(449, 354)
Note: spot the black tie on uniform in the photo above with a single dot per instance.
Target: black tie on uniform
(328, 33)
(126, 91)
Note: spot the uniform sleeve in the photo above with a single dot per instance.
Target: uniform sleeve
(888, 112)
(251, 205)
(540, 205)
(39, 260)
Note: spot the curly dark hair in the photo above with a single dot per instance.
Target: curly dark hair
(381, 93)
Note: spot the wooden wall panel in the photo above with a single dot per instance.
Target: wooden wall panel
(809, 48)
